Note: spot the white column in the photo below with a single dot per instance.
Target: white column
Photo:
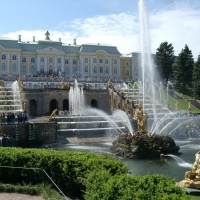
(8, 64)
(18, 62)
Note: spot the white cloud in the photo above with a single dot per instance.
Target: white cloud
(178, 25)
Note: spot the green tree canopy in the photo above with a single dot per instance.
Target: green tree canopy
(196, 79)
(164, 60)
(182, 69)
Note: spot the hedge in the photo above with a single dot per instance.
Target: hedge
(85, 175)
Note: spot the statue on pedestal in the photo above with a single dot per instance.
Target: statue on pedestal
(141, 120)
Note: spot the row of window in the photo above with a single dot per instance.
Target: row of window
(14, 57)
(95, 69)
(101, 61)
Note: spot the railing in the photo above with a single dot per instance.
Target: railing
(43, 172)
(59, 79)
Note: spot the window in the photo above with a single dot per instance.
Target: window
(101, 60)
(106, 61)
(136, 64)
(3, 67)
(115, 62)
(115, 70)
(94, 60)
(74, 62)
(136, 72)
(58, 60)
(14, 57)
(3, 57)
(74, 70)
(50, 59)
(23, 69)
(42, 59)
(86, 69)
(66, 61)
(50, 69)
(59, 69)
(86, 60)
(107, 70)
(42, 69)
(14, 67)
(101, 69)
(32, 60)
(23, 59)
(66, 70)
(32, 69)
(127, 63)
(95, 69)
(127, 72)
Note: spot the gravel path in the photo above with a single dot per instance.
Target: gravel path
(16, 196)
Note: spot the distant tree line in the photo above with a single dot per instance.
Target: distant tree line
(181, 69)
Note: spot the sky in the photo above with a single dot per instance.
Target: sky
(112, 22)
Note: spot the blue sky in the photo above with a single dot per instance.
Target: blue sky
(113, 22)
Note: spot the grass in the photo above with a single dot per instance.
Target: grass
(182, 103)
(47, 192)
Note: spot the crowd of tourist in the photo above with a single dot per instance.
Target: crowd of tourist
(10, 118)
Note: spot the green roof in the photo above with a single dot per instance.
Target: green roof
(88, 48)
(65, 48)
(28, 47)
(9, 44)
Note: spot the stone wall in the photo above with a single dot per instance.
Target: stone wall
(44, 96)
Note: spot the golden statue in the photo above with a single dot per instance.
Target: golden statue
(20, 84)
(24, 106)
(141, 120)
(110, 85)
(53, 114)
(176, 105)
(65, 85)
(192, 178)
(127, 96)
(189, 106)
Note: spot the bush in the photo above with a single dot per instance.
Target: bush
(64, 167)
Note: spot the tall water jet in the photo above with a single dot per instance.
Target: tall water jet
(76, 100)
(16, 96)
(146, 58)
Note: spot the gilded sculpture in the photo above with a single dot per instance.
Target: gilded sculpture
(65, 85)
(110, 85)
(53, 114)
(141, 120)
(192, 178)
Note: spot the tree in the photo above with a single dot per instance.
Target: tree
(164, 60)
(196, 79)
(182, 69)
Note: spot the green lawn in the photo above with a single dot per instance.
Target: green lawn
(182, 103)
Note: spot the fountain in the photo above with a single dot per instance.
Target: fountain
(10, 99)
(86, 122)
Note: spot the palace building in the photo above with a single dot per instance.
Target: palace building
(49, 57)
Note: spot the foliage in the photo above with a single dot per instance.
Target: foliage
(103, 186)
(182, 69)
(196, 79)
(64, 167)
(46, 191)
(164, 59)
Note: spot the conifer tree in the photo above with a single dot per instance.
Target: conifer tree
(182, 69)
(164, 60)
(196, 79)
